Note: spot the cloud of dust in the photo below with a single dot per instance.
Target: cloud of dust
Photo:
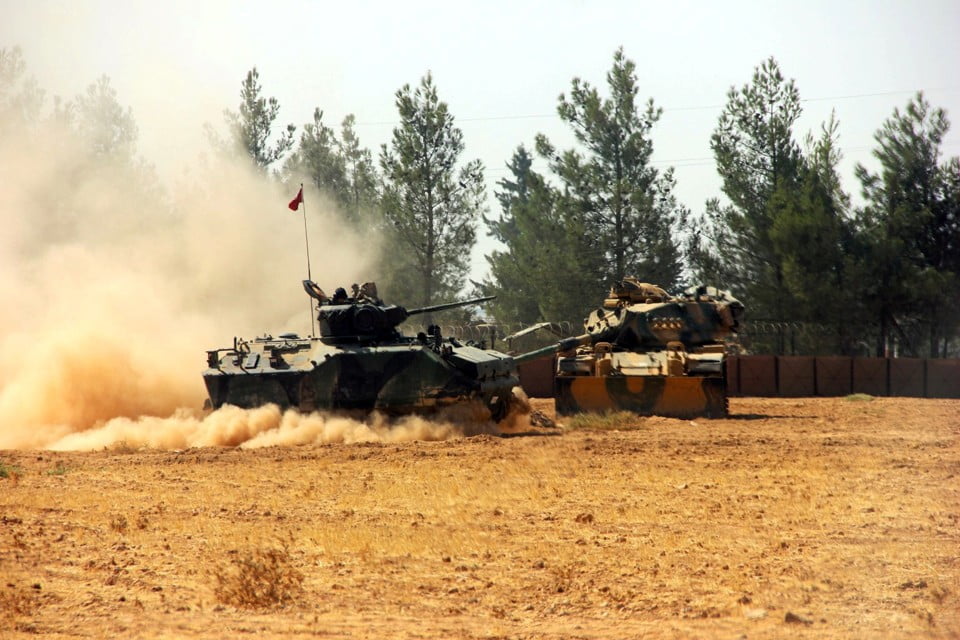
(113, 287)
(267, 426)
(115, 284)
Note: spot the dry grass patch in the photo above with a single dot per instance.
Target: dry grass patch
(17, 601)
(9, 470)
(259, 578)
(606, 421)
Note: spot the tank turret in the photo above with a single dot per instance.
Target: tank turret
(363, 317)
(638, 316)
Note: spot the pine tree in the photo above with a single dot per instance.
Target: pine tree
(626, 206)
(513, 272)
(250, 128)
(541, 275)
(760, 165)
(95, 138)
(319, 161)
(756, 156)
(430, 205)
(815, 240)
(20, 96)
(108, 130)
(363, 197)
(340, 168)
(912, 225)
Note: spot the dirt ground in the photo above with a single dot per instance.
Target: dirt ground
(807, 518)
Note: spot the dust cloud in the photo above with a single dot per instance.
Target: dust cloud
(114, 285)
(267, 426)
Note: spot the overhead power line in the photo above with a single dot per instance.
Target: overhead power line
(705, 107)
(689, 162)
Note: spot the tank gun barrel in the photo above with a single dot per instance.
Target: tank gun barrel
(448, 305)
(567, 344)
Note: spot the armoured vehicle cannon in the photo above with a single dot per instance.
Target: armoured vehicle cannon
(361, 362)
(648, 352)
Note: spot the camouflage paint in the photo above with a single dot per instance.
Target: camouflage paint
(651, 353)
(674, 397)
(403, 378)
(360, 362)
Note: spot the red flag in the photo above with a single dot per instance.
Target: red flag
(295, 203)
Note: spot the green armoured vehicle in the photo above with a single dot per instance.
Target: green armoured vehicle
(361, 362)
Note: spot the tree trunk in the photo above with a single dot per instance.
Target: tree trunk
(882, 337)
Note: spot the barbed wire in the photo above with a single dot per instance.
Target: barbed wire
(485, 330)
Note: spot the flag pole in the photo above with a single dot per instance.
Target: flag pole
(306, 240)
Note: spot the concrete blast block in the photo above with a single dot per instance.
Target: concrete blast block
(907, 377)
(870, 376)
(834, 376)
(758, 375)
(796, 376)
(943, 378)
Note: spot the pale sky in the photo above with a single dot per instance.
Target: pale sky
(499, 65)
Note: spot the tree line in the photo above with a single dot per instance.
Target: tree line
(782, 235)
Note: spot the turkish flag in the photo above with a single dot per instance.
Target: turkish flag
(295, 203)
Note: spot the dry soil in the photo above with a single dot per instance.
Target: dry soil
(808, 518)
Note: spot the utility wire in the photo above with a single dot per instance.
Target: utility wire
(535, 116)
(691, 162)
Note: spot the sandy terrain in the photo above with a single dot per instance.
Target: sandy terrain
(811, 518)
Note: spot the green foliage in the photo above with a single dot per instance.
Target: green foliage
(815, 242)
(430, 206)
(363, 182)
(106, 128)
(20, 97)
(540, 276)
(790, 248)
(784, 238)
(523, 201)
(626, 208)
(613, 214)
(250, 128)
(341, 168)
(756, 156)
(59, 470)
(9, 470)
(911, 226)
(783, 242)
(318, 158)
(95, 141)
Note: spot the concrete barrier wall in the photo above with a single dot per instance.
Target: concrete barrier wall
(733, 375)
(841, 376)
(834, 376)
(943, 378)
(797, 376)
(908, 377)
(758, 376)
(871, 376)
(536, 377)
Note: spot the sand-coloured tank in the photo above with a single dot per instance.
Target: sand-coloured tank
(361, 362)
(649, 352)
